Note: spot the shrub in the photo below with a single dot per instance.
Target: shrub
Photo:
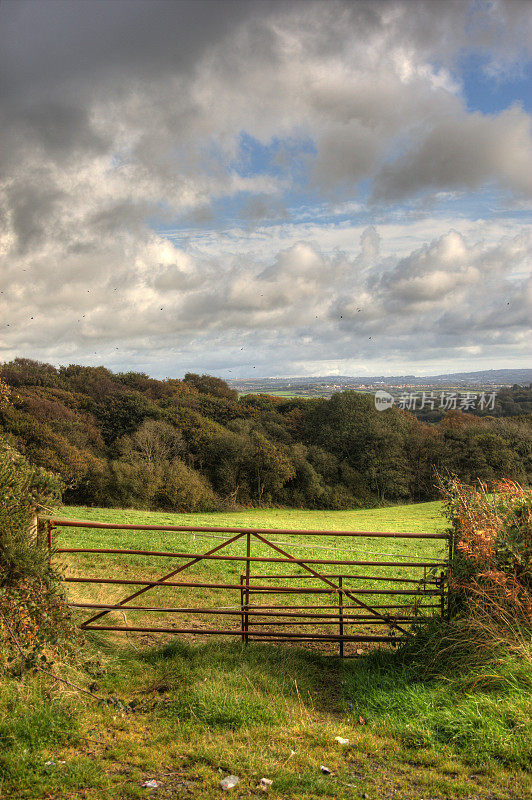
(490, 582)
(487, 639)
(184, 489)
(33, 612)
(23, 489)
(492, 563)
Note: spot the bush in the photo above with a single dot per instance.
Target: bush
(490, 586)
(33, 611)
(492, 562)
(185, 489)
(489, 629)
(23, 489)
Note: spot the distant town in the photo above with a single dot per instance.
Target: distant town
(325, 386)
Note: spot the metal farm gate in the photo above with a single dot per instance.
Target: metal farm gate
(318, 600)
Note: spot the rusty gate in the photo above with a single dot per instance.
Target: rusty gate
(307, 604)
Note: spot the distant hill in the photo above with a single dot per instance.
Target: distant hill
(489, 377)
(486, 376)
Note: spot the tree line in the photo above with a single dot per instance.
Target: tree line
(128, 440)
(509, 401)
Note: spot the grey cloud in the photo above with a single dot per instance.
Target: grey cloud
(157, 109)
(117, 215)
(61, 129)
(58, 41)
(32, 206)
(346, 156)
(369, 247)
(262, 207)
(464, 152)
(47, 43)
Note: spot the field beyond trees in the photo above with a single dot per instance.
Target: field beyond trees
(187, 714)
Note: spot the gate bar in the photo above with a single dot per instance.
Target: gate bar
(354, 577)
(264, 559)
(252, 589)
(167, 610)
(328, 637)
(71, 523)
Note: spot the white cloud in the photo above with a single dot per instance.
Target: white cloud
(450, 293)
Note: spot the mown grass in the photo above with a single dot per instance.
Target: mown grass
(416, 517)
(187, 713)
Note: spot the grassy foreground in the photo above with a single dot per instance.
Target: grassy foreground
(186, 714)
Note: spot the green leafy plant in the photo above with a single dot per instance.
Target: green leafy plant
(33, 613)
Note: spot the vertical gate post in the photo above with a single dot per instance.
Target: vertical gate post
(341, 615)
(49, 537)
(242, 616)
(246, 593)
(442, 594)
(40, 532)
(449, 574)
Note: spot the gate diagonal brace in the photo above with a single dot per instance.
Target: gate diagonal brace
(160, 581)
(386, 617)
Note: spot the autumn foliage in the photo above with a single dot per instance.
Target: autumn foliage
(492, 564)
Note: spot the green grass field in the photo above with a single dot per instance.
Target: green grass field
(284, 395)
(188, 713)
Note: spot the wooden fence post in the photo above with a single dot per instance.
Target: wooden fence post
(33, 530)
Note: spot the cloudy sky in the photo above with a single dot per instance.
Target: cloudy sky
(267, 188)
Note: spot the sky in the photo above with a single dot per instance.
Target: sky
(256, 189)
